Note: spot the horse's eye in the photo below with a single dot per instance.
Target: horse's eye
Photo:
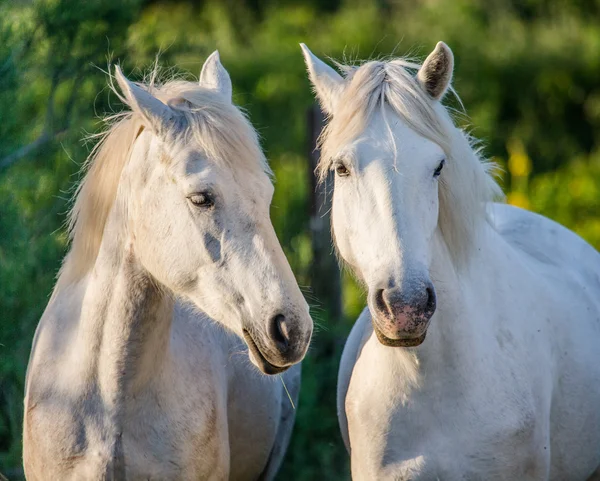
(341, 170)
(203, 200)
(438, 171)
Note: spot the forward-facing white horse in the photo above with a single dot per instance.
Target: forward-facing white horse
(506, 385)
(129, 377)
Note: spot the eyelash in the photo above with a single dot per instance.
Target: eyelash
(202, 200)
(438, 171)
(341, 170)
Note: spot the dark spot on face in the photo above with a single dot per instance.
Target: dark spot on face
(213, 246)
(237, 299)
(248, 227)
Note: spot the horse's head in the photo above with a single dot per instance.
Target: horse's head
(198, 201)
(385, 143)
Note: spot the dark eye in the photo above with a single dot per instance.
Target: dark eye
(438, 171)
(341, 170)
(203, 200)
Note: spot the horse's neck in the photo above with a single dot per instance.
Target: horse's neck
(452, 335)
(125, 321)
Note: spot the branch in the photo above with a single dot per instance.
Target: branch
(16, 55)
(24, 151)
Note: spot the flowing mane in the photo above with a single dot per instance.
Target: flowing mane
(467, 184)
(221, 129)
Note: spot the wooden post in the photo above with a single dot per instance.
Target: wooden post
(324, 272)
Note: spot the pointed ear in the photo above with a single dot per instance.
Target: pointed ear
(215, 77)
(328, 84)
(435, 75)
(157, 114)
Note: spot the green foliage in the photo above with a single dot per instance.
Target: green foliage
(527, 71)
(570, 196)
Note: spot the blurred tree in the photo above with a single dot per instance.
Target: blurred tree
(527, 71)
(48, 90)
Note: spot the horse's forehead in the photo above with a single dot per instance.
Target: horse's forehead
(194, 166)
(388, 135)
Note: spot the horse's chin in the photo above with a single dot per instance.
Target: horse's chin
(258, 359)
(411, 341)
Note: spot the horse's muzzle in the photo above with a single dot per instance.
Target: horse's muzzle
(401, 318)
(259, 358)
(281, 345)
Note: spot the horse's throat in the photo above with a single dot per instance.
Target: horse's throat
(127, 322)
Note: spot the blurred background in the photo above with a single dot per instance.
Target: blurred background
(528, 72)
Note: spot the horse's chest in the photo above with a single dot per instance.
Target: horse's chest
(416, 445)
(427, 428)
(175, 445)
(177, 433)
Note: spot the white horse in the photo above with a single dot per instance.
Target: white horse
(129, 376)
(506, 386)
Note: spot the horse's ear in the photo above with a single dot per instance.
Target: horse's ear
(327, 83)
(157, 114)
(435, 75)
(215, 77)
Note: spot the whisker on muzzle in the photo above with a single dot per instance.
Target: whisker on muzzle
(287, 392)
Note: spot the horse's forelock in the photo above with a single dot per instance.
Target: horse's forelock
(222, 131)
(467, 185)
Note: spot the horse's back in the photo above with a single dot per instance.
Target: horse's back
(563, 272)
(548, 242)
(568, 270)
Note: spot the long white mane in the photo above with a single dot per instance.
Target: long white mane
(467, 184)
(220, 129)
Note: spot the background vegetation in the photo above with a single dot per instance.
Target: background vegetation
(528, 72)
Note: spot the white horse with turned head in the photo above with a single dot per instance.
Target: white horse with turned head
(131, 376)
(479, 354)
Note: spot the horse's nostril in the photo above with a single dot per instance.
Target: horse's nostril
(380, 302)
(430, 298)
(280, 331)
